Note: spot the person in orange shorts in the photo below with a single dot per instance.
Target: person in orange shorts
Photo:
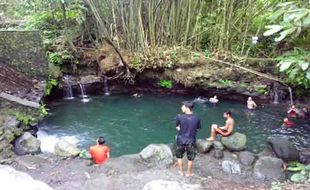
(100, 152)
(224, 131)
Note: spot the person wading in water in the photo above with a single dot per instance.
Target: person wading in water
(187, 125)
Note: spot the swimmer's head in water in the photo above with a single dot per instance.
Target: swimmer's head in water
(250, 99)
(187, 105)
(100, 140)
(285, 120)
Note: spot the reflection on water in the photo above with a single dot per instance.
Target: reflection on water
(129, 124)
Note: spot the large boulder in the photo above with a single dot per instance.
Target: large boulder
(157, 155)
(12, 179)
(231, 167)
(170, 185)
(235, 142)
(269, 168)
(246, 158)
(203, 146)
(27, 144)
(65, 149)
(283, 148)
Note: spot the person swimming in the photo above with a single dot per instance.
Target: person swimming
(213, 100)
(251, 105)
(201, 100)
(288, 123)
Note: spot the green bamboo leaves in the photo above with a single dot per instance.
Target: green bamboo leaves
(291, 19)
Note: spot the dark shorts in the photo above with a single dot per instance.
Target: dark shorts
(189, 149)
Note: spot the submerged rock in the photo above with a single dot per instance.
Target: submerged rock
(203, 146)
(157, 155)
(65, 149)
(234, 142)
(12, 179)
(170, 185)
(283, 148)
(269, 168)
(27, 144)
(231, 167)
(246, 158)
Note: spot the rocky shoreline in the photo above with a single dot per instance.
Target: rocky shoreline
(219, 165)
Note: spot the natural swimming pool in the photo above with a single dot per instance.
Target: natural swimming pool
(129, 124)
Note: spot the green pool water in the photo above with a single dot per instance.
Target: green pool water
(129, 124)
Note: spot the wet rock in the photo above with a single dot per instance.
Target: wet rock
(27, 144)
(90, 79)
(269, 168)
(218, 145)
(157, 155)
(203, 146)
(170, 185)
(234, 142)
(12, 179)
(305, 156)
(246, 158)
(65, 149)
(11, 122)
(231, 167)
(218, 153)
(283, 149)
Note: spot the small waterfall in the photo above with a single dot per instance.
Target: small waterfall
(68, 88)
(276, 97)
(106, 87)
(291, 95)
(83, 93)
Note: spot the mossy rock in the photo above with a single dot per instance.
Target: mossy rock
(235, 142)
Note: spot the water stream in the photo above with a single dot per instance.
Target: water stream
(106, 87)
(291, 95)
(68, 88)
(129, 124)
(83, 93)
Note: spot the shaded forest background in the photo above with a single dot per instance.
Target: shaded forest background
(272, 35)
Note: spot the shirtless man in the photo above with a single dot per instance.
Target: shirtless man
(225, 130)
(251, 104)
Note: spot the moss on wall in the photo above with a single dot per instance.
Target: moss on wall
(23, 51)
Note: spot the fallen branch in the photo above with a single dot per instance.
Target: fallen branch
(250, 71)
(19, 100)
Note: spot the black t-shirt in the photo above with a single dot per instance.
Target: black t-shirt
(189, 125)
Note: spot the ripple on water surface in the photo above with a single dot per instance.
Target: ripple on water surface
(129, 124)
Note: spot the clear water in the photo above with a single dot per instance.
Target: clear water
(129, 124)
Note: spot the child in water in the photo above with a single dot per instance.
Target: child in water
(287, 123)
(292, 112)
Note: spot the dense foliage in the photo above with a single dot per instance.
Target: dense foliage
(274, 30)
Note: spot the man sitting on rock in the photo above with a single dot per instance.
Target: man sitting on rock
(225, 130)
(187, 124)
(100, 152)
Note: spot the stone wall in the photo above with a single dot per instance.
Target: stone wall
(23, 51)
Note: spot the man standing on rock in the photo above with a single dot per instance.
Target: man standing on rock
(100, 152)
(187, 125)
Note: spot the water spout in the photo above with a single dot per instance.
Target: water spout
(291, 95)
(106, 87)
(82, 90)
(68, 88)
(83, 93)
(276, 97)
